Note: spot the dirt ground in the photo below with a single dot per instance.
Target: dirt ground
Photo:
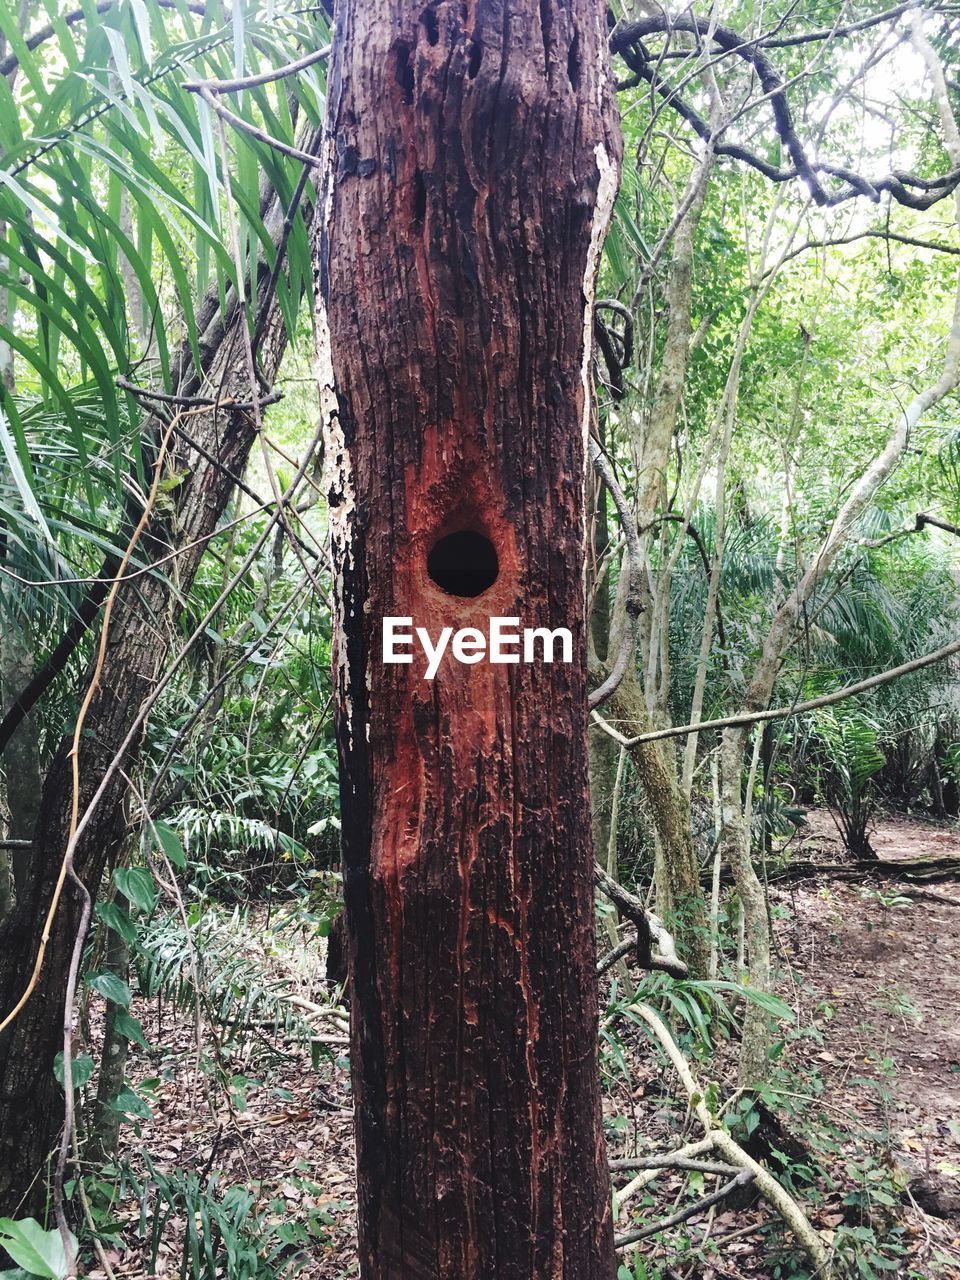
(873, 972)
(874, 966)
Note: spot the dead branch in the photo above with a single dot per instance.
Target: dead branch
(670, 1160)
(766, 1184)
(877, 233)
(12, 61)
(923, 520)
(741, 1178)
(244, 126)
(265, 77)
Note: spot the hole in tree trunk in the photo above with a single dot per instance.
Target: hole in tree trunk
(431, 26)
(573, 61)
(463, 563)
(404, 73)
(419, 197)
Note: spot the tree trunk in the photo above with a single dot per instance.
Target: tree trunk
(105, 1131)
(680, 897)
(21, 760)
(474, 169)
(753, 1062)
(31, 1101)
(603, 752)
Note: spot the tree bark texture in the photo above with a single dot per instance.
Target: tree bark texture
(31, 1101)
(474, 165)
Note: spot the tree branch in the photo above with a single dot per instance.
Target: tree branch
(649, 928)
(795, 709)
(906, 189)
(11, 62)
(743, 1176)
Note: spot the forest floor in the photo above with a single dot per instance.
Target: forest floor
(868, 1082)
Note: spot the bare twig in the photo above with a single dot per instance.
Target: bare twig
(766, 1184)
(742, 1177)
(265, 77)
(244, 126)
(197, 402)
(906, 189)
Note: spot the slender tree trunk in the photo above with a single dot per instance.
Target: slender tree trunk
(680, 897)
(780, 636)
(752, 1063)
(474, 168)
(603, 751)
(105, 1134)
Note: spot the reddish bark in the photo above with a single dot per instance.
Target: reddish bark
(474, 163)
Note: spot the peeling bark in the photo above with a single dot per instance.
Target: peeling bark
(474, 168)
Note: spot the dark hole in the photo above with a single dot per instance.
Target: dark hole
(476, 57)
(405, 73)
(463, 564)
(419, 197)
(573, 62)
(545, 24)
(431, 26)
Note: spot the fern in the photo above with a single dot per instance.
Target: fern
(852, 757)
(207, 964)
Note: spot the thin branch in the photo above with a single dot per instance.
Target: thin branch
(923, 519)
(11, 62)
(873, 234)
(795, 709)
(138, 721)
(625, 1238)
(198, 402)
(244, 126)
(265, 77)
(830, 33)
(671, 1160)
(766, 1183)
(649, 928)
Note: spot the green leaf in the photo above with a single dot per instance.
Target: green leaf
(120, 921)
(18, 471)
(138, 885)
(39, 1252)
(128, 1103)
(131, 1028)
(112, 988)
(170, 843)
(81, 1069)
